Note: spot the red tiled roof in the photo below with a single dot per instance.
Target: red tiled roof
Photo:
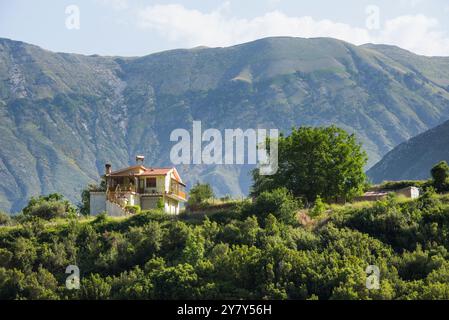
(161, 172)
(118, 172)
(147, 172)
(155, 171)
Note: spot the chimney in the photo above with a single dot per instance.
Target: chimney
(140, 159)
(107, 167)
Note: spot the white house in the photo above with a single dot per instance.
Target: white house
(148, 188)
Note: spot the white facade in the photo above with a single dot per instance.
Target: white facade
(139, 186)
(97, 203)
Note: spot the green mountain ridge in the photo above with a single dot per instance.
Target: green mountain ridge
(414, 158)
(62, 116)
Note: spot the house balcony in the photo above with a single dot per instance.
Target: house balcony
(131, 195)
(178, 195)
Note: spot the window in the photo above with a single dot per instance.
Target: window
(151, 183)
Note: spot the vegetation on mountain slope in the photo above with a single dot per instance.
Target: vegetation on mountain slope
(243, 253)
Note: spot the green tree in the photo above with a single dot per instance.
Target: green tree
(326, 162)
(25, 254)
(11, 283)
(48, 207)
(94, 287)
(318, 208)
(440, 173)
(178, 282)
(5, 258)
(200, 193)
(5, 219)
(278, 202)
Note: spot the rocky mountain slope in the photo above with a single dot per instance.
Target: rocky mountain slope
(412, 160)
(62, 116)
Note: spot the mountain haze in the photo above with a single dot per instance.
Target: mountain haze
(62, 116)
(412, 160)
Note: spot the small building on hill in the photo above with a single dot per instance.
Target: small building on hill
(138, 185)
(375, 195)
(409, 192)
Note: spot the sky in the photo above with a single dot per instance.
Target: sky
(140, 27)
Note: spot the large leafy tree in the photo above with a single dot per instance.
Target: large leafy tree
(326, 162)
(48, 207)
(200, 193)
(440, 174)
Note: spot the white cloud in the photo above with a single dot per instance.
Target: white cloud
(418, 33)
(190, 27)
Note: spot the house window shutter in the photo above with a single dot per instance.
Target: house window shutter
(151, 182)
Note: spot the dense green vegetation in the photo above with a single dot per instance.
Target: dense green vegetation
(241, 253)
(199, 194)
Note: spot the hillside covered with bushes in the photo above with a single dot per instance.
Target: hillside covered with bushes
(242, 252)
(289, 241)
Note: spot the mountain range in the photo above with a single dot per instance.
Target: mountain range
(414, 158)
(63, 116)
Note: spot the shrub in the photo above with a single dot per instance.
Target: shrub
(318, 208)
(146, 216)
(48, 207)
(440, 173)
(47, 210)
(160, 204)
(397, 185)
(133, 209)
(101, 218)
(200, 193)
(5, 219)
(279, 202)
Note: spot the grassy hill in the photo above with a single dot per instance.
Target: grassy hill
(62, 116)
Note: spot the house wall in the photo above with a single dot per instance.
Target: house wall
(114, 210)
(149, 203)
(410, 192)
(171, 206)
(167, 182)
(160, 186)
(97, 203)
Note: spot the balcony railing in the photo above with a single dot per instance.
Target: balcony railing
(115, 196)
(182, 194)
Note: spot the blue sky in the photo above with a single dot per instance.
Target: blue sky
(139, 27)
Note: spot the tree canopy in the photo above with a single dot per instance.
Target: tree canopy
(440, 174)
(199, 193)
(326, 162)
